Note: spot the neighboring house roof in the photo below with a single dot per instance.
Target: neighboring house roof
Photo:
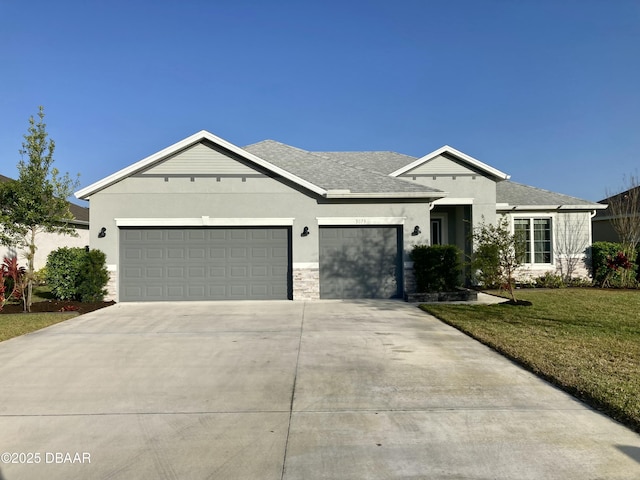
(319, 174)
(338, 178)
(457, 154)
(606, 213)
(516, 196)
(80, 214)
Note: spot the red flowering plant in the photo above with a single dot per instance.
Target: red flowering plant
(11, 280)
(616, 265)
(620, 261)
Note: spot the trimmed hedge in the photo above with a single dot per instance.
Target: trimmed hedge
(437, 268)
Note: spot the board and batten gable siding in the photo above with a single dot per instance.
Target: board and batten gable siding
(200, 159)
(442, 165)
(461, 181)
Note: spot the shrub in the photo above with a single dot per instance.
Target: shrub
(550, 280)
(93, 277)
(437, 267)
(12, 280)
(63, 268)
(611, 266)
(77, 274)
(486, 264)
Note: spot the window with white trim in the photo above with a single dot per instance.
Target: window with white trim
(536, 235)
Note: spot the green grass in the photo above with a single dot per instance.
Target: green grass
(16, 324)
(586, 341)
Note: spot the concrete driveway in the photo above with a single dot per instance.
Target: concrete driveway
(287, 390)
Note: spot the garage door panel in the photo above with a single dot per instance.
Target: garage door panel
(205, 263)
(360, 262)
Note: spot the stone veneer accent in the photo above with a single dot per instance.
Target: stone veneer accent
(112, 284)
(306, 282)
(409, 279)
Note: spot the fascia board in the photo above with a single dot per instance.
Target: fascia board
(416, 195)
(456, 153)
(193, 139)
(518, 208)
(203, 222)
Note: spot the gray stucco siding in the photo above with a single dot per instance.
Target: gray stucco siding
(180, 199)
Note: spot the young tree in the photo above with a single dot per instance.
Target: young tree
(505, 252)
(36, 201)
(570, 245)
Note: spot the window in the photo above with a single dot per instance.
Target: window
(436, 231)
(536, 235)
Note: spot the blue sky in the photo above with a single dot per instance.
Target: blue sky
(545, 90)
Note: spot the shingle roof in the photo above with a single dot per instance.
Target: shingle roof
(331, 173)
(512, 194)
(381, 162)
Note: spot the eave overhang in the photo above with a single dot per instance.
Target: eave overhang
(203, 135)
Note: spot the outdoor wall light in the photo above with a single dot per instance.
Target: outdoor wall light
(103, 233)
(416, 231)
(305, 232)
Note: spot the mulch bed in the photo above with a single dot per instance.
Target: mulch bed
(57, 306)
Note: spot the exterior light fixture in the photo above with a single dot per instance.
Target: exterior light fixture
(305, 232)
(416, 231)
(102, 233)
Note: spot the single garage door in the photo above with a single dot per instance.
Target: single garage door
(204, 263)
(360, 262)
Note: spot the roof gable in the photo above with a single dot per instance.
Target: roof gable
(339, 178)
(152, 160)
(199, 159)
(454, 157)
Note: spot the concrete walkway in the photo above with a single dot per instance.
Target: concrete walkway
(287, 390)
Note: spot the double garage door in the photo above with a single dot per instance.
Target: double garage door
(255, 263)
(204, 264)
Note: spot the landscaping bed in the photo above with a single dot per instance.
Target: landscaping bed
(45, 306)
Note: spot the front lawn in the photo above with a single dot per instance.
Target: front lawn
(586, 341)
(16, 324)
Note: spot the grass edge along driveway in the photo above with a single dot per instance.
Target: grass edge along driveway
(585, 341)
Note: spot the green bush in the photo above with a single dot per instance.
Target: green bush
(93, 277)
(77, 274)
(437, 267)
(550, 280)
(63, 268)
(486, 265)
(602, 254)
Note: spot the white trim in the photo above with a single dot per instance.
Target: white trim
(112, 267)
(453, 201)
(505, 207)
(458, 154)
(182, 144)
(552, 217)
(341, 194)
(357, 221)
(203, 222)
(305, 265)
(444, 227)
